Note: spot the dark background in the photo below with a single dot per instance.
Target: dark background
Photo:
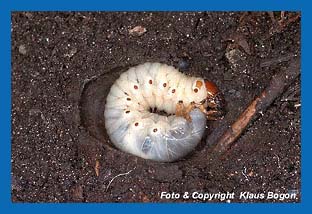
(54, 55)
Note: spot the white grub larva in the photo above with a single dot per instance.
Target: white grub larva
(135, 99)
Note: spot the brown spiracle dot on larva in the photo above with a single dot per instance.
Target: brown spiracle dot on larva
(177, 104)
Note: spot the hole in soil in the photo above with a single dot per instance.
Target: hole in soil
(92, 102)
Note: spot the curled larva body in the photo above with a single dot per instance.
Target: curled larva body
(134, 128)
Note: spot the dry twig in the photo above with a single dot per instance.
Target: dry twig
(97, 168)
(278, 84)
(116, 177)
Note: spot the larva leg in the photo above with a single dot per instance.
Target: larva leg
(184, 111)
(187, 111)
(180, 109)
(202, 108)
(211, 114)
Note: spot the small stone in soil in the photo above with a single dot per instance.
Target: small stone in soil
(22, 49)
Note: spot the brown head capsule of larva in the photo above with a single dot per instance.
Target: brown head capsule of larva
(214, 99)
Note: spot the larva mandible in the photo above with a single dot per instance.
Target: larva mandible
(134, 127)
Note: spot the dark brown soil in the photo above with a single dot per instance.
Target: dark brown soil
(58, 148)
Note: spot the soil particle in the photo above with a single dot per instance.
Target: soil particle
(236, 58)
(22, 49)
(137, 31)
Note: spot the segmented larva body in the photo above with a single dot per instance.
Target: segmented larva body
(134, 128)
